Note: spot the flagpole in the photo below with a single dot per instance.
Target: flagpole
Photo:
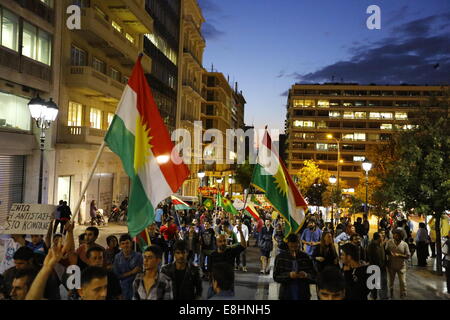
(91, 173)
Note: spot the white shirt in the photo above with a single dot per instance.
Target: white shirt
(10, 247)
(244, 231)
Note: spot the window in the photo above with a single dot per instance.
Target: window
(374, 115)
(115, 74)
(96, 118)
(74, 114)
(44, 48)
(10, 30)
(310, 136)
(359, 158)
(401, 115)
(163, 46)
(349, 115)
(110, 118)
(360, 115)
(304, 103)
(373, 137)
(116, 26)
(360, 136)
(386, 126)
(14, 112)
(129, 37)
(99, 65)
(347, 136)
(335, 114)
(386, 115)
(78, 56)
(321, 125)
(29, 34)
(348, 104)
(304, 124)
(323, 104)
(322, 146)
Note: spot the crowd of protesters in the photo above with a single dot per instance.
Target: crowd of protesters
(192, 247)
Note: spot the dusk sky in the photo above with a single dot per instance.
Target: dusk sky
(268, 45)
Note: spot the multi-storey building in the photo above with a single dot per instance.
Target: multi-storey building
(191, 84)
(96, 62)
(351, 117)
(162, 46)
(29, 65)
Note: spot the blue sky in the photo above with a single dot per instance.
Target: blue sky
(268, 45)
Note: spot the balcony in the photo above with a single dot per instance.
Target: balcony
(191, 86)
(90, 82)
(190, 58)
(80, 135)
(99, 33)
(133, 14)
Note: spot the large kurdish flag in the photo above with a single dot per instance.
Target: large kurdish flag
(179, 204)
(139, 137)
(271, 176)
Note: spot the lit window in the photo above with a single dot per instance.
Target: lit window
(348, 104)
(374, 115)
(347, 136)
(360, 136)
(99, 65)
(322, 125)
(401, 115)
(305, 124)
(14, 112)
(44, 47)
(349, 115)
(29, 35)
(360, 115)
(323, 103)
(386, 126)
(74, 114)
(96, 118)
(373, 137)
(359, 158)
(10, 30)
(322, 146)
(129, 37)
(116, 26)
(335, 114)
(110, 118)
(386, 115)
(37, 44)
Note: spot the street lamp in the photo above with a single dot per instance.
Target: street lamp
(230, 181)
(332, 180)
(366, 165)
(338, 141)
(44, 113)
(201, 175)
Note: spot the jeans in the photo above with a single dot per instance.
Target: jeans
(204, 261)
(242, 257)
(401, 277)
(168, 254)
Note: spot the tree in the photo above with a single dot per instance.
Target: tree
(244, 174)
(309, 175)
(420, 176)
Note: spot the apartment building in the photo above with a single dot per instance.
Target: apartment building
(96, 62)
(191, 85)
(29, 65)
(324, 117)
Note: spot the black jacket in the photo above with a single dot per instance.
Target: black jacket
(284, 263)
(191, 287)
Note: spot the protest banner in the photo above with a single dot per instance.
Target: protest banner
(29, 219)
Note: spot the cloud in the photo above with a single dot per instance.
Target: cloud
(281, 74)
(407, 56)
(210, 32)
(397, 15)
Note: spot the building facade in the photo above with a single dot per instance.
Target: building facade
(29, 65)
(191, 85)
(96, 63)
(351, 117)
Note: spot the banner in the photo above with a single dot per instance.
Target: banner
(31, 219)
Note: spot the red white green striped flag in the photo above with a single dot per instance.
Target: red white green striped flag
(252, 211)
(139, 137)
(180, 204)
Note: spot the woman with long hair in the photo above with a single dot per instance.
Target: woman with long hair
(325, 254)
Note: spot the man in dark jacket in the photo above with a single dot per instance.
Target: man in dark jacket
(376, 255)
(186, 281)
(294, 270)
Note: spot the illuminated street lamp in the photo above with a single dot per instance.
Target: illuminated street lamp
(339, 161)
(44, 113)
(201, 175)
(366, 165)
(332, 180)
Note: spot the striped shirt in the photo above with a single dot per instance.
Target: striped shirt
(161, 289)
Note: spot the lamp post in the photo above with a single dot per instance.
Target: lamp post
(338, 141)
(230, 181)
(332, 180)
(367, 166)
(44, 113)
(201, 175)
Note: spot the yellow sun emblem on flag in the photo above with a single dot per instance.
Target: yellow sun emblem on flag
(280, 180)
(142, 144)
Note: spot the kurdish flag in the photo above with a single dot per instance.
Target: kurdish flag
(227, 205)
(143, 239)
(250, 209)
(208, 203)
(139, 137)
(255, 201)
(180, 204)
(271, 176)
